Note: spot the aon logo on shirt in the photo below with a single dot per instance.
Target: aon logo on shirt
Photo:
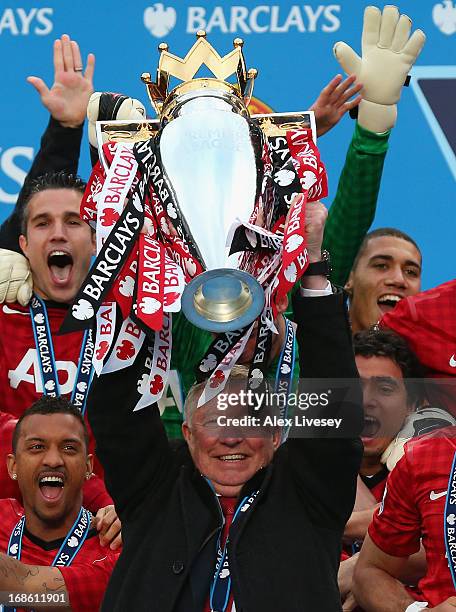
(28, 370)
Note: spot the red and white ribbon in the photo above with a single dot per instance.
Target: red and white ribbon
(152, 386)
(114, 192)
(126, 348)
(218, 379)
(105, 327)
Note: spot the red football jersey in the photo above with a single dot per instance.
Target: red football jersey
(428, 322)
(413, 509)
(376, 483)
(86, 578)
(20, 375)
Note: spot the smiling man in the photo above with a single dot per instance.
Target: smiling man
(96, 498)
(385, 364)
(386, 269)
(33, 359)
(186, 507)
(50, 546)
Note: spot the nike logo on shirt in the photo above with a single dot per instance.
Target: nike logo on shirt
(452, 361)
(8, 310)
(433, 495)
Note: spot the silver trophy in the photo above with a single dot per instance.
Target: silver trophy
(211, 156)
(207, 153)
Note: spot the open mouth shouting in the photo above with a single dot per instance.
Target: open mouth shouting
(388, 301)
(371, 427)
(60, 265)
(51, 486)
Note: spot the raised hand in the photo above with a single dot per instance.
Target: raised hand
(109, 527)
(334, 101)
(388, 53)
(68, 97)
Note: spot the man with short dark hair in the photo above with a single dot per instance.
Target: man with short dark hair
(59, 245)
(51, 545)
(386, 269)
(385, 363)
(96, 498)
(391, 393)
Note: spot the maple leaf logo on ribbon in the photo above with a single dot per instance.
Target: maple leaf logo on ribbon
(208, 363)
(170, 298)
(291, 273)
(127, 286)
(156, 384)
(82, 310)
(149, 305)
(308, 179)
(293, 242)
(102, 349)
(190, 266)
(256, 378)
(142, 384)
(218, 378)
(109, 217)
(125, 350)
(284, 177)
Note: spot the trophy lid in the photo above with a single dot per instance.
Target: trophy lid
(201, 53)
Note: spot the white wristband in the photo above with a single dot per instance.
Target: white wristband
(317, 292)
(416, 606)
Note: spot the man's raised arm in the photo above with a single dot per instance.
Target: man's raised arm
(59, 151)
(132, 446)
(66, 102)
(325, 459)
(353, 208)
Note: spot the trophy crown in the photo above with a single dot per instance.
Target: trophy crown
(185, 69)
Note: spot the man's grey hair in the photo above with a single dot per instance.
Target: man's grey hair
(239, 372)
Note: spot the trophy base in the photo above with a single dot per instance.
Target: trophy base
(222, 300)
